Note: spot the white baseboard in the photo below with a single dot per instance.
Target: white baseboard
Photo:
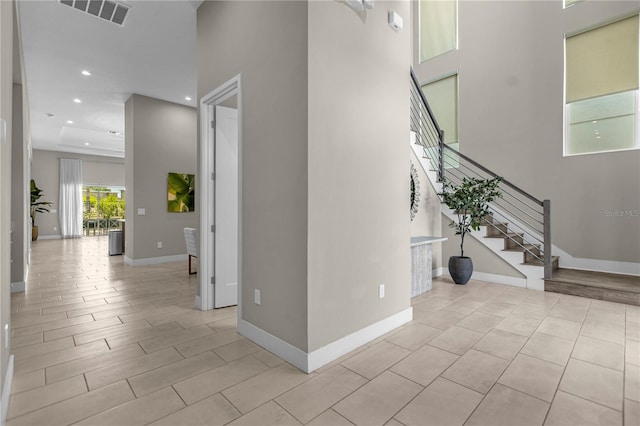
(598, 265)
(343, 346)
(6, 392)
(18, 286)
(284, 350)
(49, 237)
(154, 260)
(492, 278)
(500, 279)
(198, 302)
(309, 362)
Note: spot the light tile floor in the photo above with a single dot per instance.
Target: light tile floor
(100, 343)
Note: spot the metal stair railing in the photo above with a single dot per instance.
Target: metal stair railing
(528, 218)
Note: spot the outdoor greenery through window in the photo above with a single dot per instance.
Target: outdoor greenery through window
(601, 83)
(103, 208)
(438, 27)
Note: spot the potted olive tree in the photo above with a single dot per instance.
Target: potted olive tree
(37, 207)
(470, 202)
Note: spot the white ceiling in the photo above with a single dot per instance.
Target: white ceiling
(152, 54)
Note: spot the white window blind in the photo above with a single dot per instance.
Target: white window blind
(438, 27)
(602, 89)
(603, 60)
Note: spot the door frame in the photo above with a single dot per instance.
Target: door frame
(207, 185)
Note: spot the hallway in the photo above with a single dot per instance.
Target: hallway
(98, 342)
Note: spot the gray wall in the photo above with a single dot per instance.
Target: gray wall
(510, 63)
(324, 167)
(358, 168)
(20, 195)
(6, 94)
(160, 137)
(45, 170)
(267, 43)
(428, 221)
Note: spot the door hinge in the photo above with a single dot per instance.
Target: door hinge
(213, 228)
(213, 280)
(213, 124)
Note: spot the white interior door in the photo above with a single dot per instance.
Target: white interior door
(225, 292)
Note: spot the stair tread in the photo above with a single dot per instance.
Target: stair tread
(629, 283)
(554, 260)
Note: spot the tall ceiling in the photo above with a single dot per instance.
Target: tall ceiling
(153, 54)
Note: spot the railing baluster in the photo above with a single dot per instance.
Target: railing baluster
(548, 267)
(441, 148)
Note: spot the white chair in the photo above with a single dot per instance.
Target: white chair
(191, 238)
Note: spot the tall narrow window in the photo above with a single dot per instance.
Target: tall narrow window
(602, 89)
(438, 27)
(442, 96)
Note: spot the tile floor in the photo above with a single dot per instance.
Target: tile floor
(100, 343)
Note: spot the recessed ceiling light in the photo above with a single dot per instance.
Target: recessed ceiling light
(187, 98)
(85, 72)
(594, 121)
(78, 101)
(86, 143)
(69, 122)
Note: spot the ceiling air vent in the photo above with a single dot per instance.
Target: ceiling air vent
(105, 9)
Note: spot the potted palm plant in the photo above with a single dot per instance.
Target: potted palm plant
(470, 202)
(37, 207)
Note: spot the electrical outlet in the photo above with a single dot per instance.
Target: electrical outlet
(159, 243)
(256, 297)
(381, 291)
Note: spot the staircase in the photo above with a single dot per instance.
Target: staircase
(518, 229)
(497, 235)
(515, 242)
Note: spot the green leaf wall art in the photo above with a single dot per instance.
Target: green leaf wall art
(181, 192)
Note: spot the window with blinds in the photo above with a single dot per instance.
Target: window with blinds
(438, 27)
(442, 96)
(601, 89)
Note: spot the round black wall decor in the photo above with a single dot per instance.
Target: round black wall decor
(415, 192)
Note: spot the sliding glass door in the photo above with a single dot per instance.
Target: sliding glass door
(103, 209)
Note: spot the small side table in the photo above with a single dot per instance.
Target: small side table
(421, 256)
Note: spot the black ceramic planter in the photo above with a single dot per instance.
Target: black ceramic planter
(460, 268)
